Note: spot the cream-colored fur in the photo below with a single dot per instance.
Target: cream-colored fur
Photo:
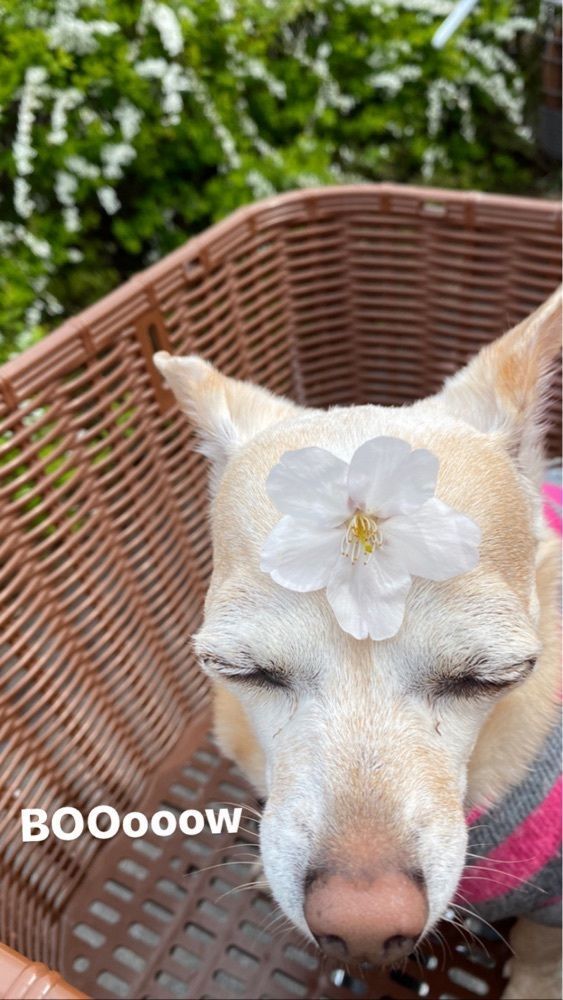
(535, 968)
(357, 751)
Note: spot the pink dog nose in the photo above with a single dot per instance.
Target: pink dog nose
(362, 921)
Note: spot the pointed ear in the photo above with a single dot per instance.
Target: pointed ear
(225, 412)
(504, 390)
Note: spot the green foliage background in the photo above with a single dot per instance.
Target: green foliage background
(253, 96)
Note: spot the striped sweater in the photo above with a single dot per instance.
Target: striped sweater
(518, 840)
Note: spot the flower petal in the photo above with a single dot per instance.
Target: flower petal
(300, 556)
(369, 599)
(310, 483)
(436, 542)
(387, 478)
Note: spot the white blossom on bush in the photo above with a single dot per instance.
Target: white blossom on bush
(115, 157)
(82, 168)
(227, 10)
(34, 89)
(440, 94)
(67, 31)
(261, 187)
(129, 118)
(506, 31)
(71, 219)
(109, 200)
(221, 131)
(432, 156)
(65, 187)
(174, 81)
(65, 101)
(23, 203)
(393, 80)
(329, 94)
(250, 130)
(166, 23)
(11, 234)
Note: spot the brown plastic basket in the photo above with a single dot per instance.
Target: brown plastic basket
(339, 295)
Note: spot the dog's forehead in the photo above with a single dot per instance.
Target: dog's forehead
(476, 477)
(246, 608)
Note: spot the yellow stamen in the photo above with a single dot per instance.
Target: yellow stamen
(363, 534)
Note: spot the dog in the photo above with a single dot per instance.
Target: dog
(370, 754)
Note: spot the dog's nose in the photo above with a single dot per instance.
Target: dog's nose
(376, 921)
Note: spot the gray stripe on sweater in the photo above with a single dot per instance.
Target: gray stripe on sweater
(498, 822)
(550, 916)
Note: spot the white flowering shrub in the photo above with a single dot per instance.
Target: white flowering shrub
(127, 125)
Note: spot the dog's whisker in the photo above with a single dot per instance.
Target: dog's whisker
(221, 864)
(441, 940)
(247, 848)
(254, 813)
(277, 916)
(303, 940)
(286, 931)
(251, 833)
(518, 881)
(241, 888)
(495, 931)
(227, 848)
(464, 930)
(281, 931)
(416, 954)
(517, 861)
(470, 936)
(276, 919)
(273, 914)
(252, 846)
(247, 858)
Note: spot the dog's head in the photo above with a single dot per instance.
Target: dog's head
(362, 748)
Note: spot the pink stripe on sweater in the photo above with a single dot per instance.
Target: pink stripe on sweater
(523, 853)
(551, 511)
(474, 815)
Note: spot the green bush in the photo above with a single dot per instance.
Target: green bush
(128, 125)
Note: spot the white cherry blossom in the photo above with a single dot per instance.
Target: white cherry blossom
(363, 530)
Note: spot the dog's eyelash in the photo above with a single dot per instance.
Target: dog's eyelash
(473, 686)
(262, 678)
(467, 686)
(257, 676)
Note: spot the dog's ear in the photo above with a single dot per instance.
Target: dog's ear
(225, 411)
(504, 389)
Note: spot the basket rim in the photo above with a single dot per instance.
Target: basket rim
(77, 326)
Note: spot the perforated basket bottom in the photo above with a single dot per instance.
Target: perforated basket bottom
(181, 917)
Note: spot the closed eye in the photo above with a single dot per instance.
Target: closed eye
(263, 678)
(473, 685)
(251, 675)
